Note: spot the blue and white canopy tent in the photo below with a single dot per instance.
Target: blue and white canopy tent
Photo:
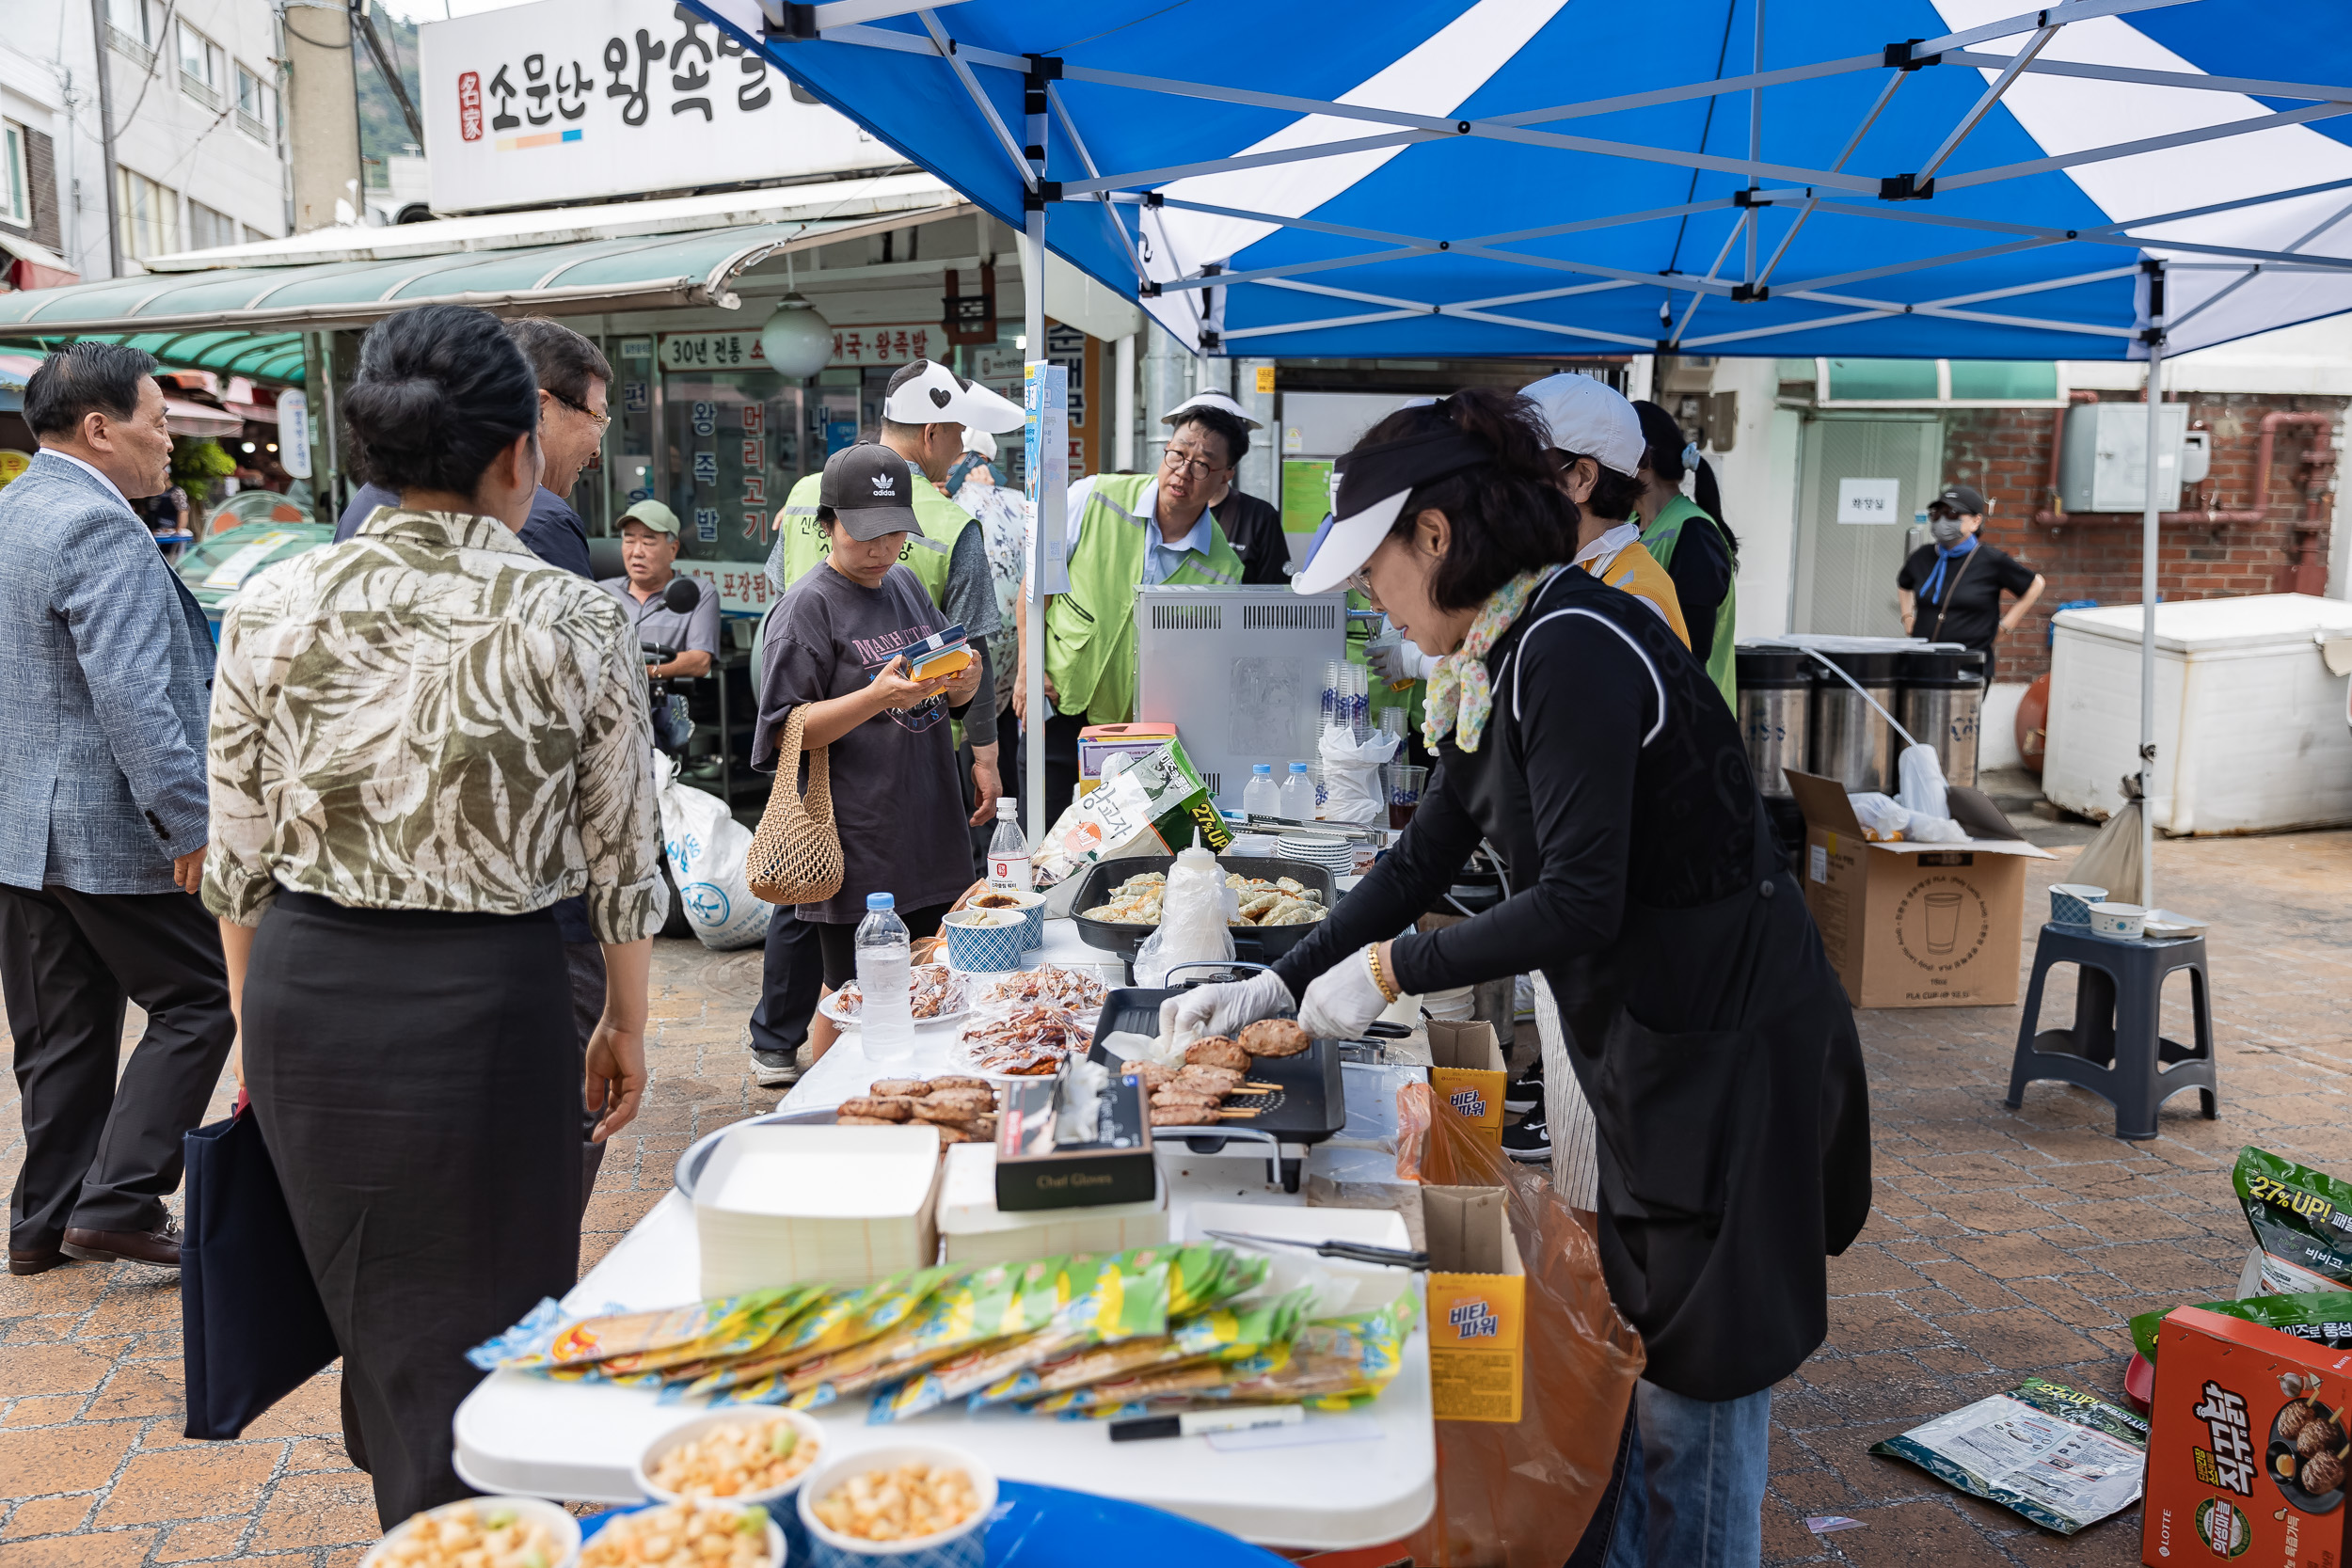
(1935, 179)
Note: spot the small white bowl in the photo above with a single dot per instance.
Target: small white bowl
(965, 1546)
(777, 1552)
(560, 1524)
(758, 1414)
(2119, 922)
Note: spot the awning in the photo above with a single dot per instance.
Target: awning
(198, 418)
(214, 319)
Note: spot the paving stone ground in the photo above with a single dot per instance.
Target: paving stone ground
(2001, 1244)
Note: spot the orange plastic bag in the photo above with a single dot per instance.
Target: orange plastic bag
(1518, 1495)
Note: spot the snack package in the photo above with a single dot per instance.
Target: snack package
(2062, 1458)
(841, 1320)
(2322, 1317)
(616, 1346)
(2301, 1223)
(1156, 807)
(1329, 1364)
(983, 1308)
(1227, 1334)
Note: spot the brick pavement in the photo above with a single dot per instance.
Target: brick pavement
(2001, 1244)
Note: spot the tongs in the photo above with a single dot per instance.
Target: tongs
(1350, 1251)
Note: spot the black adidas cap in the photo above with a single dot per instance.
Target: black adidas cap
(870, 489)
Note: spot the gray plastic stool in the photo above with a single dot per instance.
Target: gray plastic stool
(2114, 1050)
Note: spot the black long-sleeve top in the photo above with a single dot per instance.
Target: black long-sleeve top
(1701, 570)
(1609, 771)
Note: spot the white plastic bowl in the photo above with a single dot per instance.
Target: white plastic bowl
(965, 1546)
(776, 1552)
(2119, 922)
(560, 1524)
(757, 1415)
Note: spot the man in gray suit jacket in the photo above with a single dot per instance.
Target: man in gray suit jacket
(105, 676)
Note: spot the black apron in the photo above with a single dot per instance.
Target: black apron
(1718, 1051)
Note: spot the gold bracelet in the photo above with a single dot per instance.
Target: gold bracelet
(1380, 981)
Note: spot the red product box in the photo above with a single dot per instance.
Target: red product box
(2248, 1452)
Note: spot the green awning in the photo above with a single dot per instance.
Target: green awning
(246, 320)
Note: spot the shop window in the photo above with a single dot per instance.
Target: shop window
(134, 27)
(2004, 380)
(257, 106)
(1931, 383)
(1883, 381)
(202, 65)
(149, 214)
(208, 228)
(735, 445)
(16, 187)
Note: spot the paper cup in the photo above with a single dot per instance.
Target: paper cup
(560, 1524)
(965, 1546)
(2070, 902)
(778, 1500)
(2119, 922)
(778, 1552)
(978, 945)
(1030, 904)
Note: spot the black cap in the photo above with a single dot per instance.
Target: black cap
(1965, 499)
(870, 490)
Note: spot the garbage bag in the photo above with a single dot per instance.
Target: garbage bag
(1921, 772)
(706, 847)
(2112, 858)
(1518, 1495)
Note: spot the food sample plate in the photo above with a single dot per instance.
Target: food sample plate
(1023, 1042)
(1251, 943)
(945, 992)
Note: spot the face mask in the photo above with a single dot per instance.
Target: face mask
(1947, 530)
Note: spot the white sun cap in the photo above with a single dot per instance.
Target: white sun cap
(1589, 419)
(1217, 401)
(927, 393)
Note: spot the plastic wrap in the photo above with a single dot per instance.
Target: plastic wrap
(1351, 776)
(1518, 1495)
(1194, 916)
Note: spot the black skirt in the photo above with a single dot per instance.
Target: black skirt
(418, 1078)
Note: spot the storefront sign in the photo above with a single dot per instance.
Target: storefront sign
(563, 99)
(892, 343)
(1045, 468)
(294, 433)
(741, 585)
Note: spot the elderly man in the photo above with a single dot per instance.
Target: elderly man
(104, 697)
(649, 542)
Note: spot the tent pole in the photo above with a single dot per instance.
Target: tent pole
(1033, 654)
(2147, 603)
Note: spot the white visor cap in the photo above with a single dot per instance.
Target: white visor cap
(936, 395)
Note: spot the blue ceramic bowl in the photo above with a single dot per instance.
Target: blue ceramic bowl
(2070, 902)
(984, 949)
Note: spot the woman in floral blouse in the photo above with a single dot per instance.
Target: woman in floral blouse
(421, 739)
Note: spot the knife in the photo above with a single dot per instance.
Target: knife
(1351, 1252)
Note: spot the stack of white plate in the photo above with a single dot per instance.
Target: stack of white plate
(1332, 854)
(849, 1205)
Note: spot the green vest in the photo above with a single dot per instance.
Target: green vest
(1091, 630)
(1660, 539)
(803, 544)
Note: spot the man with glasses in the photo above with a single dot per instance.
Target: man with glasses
(1127, 530)
(573, 377)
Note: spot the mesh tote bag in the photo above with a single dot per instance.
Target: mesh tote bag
(796, 856)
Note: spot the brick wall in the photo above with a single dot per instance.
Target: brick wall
(2006, 453)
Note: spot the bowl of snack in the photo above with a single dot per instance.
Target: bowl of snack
(690, 1534)
(756, 1454)
(1031, 904)
(481, 1533)
(985, 941)
(920, 1501)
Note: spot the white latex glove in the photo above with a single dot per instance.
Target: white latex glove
(1342, 1001)
(1206, 1010)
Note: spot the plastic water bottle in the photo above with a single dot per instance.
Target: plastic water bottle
(1262, 796)
(1009, 851)
(1298, 795)
(886, 1015)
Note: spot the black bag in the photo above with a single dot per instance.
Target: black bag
(252, 1326)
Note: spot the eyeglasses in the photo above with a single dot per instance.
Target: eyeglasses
(604, 421)
(1188, 464)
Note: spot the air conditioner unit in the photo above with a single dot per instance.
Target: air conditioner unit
(1239, 672)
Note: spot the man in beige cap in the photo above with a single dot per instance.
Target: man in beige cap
(649, 544)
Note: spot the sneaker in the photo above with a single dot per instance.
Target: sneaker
(1527, 1093)
(1529, 1142)
(775, 1070)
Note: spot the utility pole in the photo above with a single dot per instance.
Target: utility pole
(106, 135)
(322, 112)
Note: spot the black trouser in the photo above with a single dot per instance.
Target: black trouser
(417, 1076)
(583, 967)
(791, 974)
(1062, 763)
(99, 1155)
(838, 943)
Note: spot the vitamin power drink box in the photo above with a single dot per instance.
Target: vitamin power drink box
(1467, 1072)
(2246, 1459)
(1477, 1306)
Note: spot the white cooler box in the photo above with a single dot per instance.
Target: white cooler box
(2251, 731)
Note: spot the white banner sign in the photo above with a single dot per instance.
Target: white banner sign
(893, 344)
(1869, 500)
(568, 100)
(294, 433)
(1046, 467)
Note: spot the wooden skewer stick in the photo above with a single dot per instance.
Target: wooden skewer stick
(1256, 1087)
(1251, 1112)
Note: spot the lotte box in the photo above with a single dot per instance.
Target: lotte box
(1467, 1072)
(2247, 1452)
(1477, 1306)
(1911, 924)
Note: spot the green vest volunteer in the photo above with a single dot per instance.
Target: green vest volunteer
(1701, 556)
(800, 542)
(1664, 538)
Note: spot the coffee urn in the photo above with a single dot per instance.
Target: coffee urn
(1849, 742)
(1942, 693)
(1775, 700)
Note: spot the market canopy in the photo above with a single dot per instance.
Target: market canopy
(1955, 180)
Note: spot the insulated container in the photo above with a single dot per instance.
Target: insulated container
(1775, 699)
(1942, 696)
(1848, 740)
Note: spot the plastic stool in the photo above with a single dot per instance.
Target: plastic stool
(2113, 1050)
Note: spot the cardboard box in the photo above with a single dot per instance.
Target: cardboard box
(1097, 742)
(1915, 925)
(2222, 1475)
(1477, 1306)
(972, 1229)
(1467, 1072)
(1034, 1172)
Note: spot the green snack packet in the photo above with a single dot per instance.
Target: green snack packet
(2300, 1221)
(636, 1346)
(1006, 1299)
(844, 1318)
(1224, 1334)
(2322, 1317)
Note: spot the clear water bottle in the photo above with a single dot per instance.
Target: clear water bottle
(1009, 851)
(1262, 796)
(887, 1014)
(1298, 795)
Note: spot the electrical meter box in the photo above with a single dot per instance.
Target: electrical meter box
(2104, 466)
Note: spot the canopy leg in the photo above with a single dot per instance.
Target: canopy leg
(2148, 601)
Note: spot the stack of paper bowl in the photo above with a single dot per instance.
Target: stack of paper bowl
(989, 941)
(1334, 855)
(1032, 905)
(964, 1546)
(847, 1205)
(2070, 902)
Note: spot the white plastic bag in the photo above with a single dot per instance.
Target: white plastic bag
(1195, 909)
(1881, 820)
(1921, 771)
(1351, 776)
(706, 845)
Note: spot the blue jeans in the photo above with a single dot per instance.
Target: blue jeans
(1695, 1482)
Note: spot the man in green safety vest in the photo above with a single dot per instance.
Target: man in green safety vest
(1125, 531)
